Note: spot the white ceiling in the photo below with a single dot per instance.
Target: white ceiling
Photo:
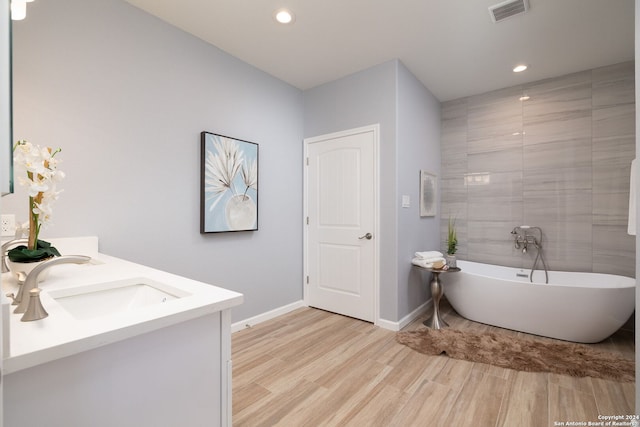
(451, 46)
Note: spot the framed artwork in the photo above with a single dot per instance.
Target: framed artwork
(428, 193)
(228, 184)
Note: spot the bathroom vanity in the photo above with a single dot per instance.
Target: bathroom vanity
(123, 345)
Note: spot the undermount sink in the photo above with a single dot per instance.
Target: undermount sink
(103, 299)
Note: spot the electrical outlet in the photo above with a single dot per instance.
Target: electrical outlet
(7, 225)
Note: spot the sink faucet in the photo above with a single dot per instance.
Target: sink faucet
(19, 274)
(5, 248)
(31, 281)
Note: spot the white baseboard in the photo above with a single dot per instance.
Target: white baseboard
(252, 321)
(396, 326)
(385, 324)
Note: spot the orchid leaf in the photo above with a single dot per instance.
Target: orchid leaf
(43, 251)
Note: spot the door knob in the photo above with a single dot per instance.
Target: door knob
(367, 236)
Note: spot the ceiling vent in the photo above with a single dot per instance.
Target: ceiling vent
(500, 12)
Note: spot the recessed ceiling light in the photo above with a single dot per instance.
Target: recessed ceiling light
(18, 10)
(524, 98)
(284, 16)
(519, 68)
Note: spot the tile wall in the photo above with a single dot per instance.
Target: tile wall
(559, 160)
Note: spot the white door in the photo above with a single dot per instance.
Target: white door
(341, 224)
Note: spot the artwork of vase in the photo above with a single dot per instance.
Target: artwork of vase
(229, 187)
(241, 212)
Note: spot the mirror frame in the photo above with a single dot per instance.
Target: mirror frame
(6, 126)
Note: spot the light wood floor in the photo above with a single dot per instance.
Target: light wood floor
(313, 368)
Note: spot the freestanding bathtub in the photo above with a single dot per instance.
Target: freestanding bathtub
(579, 307)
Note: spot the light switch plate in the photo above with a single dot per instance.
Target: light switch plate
(406, 201)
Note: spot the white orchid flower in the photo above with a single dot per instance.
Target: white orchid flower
(36, 188)
(42, 175)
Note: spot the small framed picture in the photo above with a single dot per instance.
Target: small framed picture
(229, 184)
(428, 193)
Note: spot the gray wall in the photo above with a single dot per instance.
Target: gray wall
(362, 99)
(126, 97)
(560, 160)
(418, 149)
(408, 115)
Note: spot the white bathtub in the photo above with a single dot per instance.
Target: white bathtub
(579, 307)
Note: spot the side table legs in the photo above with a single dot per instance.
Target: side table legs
(435, 321)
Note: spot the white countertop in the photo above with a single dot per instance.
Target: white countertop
(60, 334)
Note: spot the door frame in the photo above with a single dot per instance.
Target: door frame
(375, 129)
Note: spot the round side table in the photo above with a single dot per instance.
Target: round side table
(435, 321)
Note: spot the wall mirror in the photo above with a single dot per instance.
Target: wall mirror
(6, 152)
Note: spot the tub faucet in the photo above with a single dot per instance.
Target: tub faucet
(31, 281)
(514, 232)
(523, 234)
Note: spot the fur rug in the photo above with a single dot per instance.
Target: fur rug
(521, 354)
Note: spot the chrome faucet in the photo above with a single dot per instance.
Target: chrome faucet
(19, 274)
(35, 310)
(523, 235)
(17, 298)
(31, 281)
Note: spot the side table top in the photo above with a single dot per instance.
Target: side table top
(439, 270)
